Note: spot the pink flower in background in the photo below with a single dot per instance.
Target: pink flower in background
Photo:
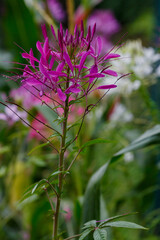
(107, 25)
(68, 214)
(41, 128)
(56, 9)
(10, 117)
(27, 98)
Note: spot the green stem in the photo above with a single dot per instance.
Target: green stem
(61, 168)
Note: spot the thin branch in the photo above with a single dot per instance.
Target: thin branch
(52, 188)
(45, 189)
(31, 126)
(43, 102)
(73, 161)
(75, 236)
(44, 124)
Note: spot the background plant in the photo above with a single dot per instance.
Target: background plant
(136, 183)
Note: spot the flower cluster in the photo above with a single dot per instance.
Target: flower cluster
(62, 67)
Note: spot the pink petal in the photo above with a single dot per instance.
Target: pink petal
(74, 89)
(44, 31)
(111, 55)
(53, 32)
(31, 81)
(39, 47)
(110, 72)
(94, 75)
(26, 55)
(68, 61)
(58, 74)
(94, 69)
(51, 62)
(60, 67)
(107, 86)
(31, 60)
(46, 46)
(61, 95)
(82, 61)
(43, 70)
(98, 45)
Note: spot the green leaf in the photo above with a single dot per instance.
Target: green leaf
(37, 147)
(100, 234)
(124, 224)
(150, 137)
(91, 207)
(27, 200)
(57, 173)
(51, 116)
(90, 224)
(115, 218)
(56, 134)
(74, 101)
(94, 141)
(37, 185)
(73, 125)
(85, 233)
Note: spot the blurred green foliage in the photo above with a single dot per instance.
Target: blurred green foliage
(127, 186)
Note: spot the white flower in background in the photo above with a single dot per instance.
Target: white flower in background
(121, 114)
(5, 59)
(138, 60)
(128, 157)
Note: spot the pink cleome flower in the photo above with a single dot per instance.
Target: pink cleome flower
(62, 67)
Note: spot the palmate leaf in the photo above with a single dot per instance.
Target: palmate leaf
(150, 137)
(124, 224)
(100, 234)
(91, 224)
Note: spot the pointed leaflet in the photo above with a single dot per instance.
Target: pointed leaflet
(85, 233)
(100, 234)
(124, 224)
(102, 222)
